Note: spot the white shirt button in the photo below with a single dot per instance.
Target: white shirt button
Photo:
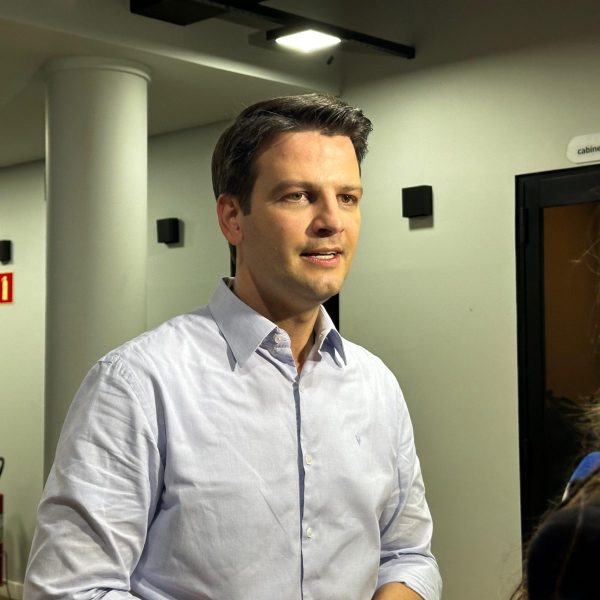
(309, 532)
(308, 459)
(279, 338)
(301, 387)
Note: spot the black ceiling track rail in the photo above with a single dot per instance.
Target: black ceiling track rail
(185, 12)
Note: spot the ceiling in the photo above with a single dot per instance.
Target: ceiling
(202, 73)
(207, 71)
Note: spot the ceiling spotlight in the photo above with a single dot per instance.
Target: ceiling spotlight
(290, 25)
(307, 41)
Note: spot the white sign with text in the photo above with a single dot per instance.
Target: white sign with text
(584, 148)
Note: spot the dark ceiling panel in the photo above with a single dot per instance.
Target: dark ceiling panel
(179, 12)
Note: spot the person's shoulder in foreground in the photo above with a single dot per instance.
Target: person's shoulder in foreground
(561, 557)
(246, 450)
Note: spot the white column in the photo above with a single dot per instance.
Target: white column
(96, 187)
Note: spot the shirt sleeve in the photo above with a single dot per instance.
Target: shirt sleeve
(101, 493)
(406, 525)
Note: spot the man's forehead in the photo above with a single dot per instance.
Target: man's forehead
(300, 137)
(307, 159)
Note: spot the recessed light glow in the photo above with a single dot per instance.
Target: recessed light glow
(308, 41)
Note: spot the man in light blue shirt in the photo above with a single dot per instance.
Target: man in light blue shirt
(246, 450)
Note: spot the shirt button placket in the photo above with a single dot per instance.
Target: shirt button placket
(307, 457)
(308, 531)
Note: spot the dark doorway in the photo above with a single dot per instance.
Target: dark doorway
(558, 282)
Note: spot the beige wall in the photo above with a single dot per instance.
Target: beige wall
(439, 303)
(22, 220)
(179, 185)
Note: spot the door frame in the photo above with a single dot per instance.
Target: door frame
(534, 192)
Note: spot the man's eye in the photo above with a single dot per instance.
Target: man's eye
(295, 196)
(348, 199)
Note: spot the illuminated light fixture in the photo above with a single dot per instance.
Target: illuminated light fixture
(185, 12)
(307, 41)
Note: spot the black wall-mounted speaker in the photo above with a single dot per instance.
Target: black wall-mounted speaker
(5, 251)
(167, 231)
(417, 201)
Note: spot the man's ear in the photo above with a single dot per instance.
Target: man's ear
(229, 214)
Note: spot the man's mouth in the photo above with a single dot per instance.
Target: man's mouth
(323, 256)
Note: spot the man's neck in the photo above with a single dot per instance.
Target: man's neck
(297, 322)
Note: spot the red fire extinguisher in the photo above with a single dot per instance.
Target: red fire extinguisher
(1, 528)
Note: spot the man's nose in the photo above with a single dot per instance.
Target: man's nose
(328, 218)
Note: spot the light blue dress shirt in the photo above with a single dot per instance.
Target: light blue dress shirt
(196, 464)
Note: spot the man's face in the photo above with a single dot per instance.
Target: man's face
(296, 244)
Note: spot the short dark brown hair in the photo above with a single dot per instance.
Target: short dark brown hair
(234, 158)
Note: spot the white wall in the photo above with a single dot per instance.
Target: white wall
(181, 278)
(22, 220)
(438, 303)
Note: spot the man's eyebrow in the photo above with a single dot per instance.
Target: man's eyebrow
(287, 184)
(357, 189)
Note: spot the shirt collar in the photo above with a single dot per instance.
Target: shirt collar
(328, 338)
(244, 329)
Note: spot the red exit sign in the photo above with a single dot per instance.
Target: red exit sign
(6, 288)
